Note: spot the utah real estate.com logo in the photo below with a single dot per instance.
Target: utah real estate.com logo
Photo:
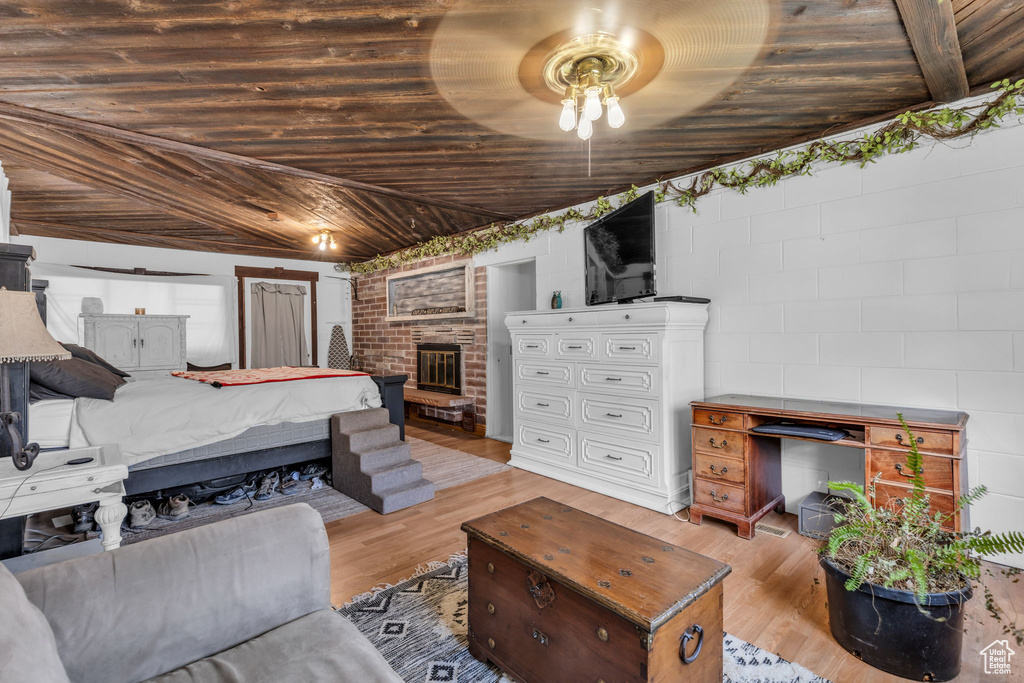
(997, 657)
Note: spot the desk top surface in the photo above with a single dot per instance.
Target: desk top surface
(858, 412)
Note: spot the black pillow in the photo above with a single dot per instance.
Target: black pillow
(91, 356)
(76, 377)
(37, 392)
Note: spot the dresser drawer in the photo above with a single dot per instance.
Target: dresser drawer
(635, 462)
(709, 418)
(893, 496)
(717, 468)
(895, 437)
(719, 495)
(630, 347)
(557, 442)
(635, 416)
(546, 372)
(938, 471)
(576, 347)
(611, 379)
(718, 441)
(546, 404)
(532, 345)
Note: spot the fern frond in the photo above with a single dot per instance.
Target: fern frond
(857, 490)
(988, 543)
(860, 571)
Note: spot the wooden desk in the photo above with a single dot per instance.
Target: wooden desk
(738, 473)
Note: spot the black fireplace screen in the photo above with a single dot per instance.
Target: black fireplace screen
(439, 368)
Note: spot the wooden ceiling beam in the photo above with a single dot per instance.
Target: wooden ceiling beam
(932, 30)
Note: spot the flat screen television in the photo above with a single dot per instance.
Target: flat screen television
(619, 250)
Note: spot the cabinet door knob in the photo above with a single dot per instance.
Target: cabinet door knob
(715, 445)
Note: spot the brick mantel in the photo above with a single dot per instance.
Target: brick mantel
(373, 336)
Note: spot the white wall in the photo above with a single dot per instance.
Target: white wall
(901, 283)
(333, 296)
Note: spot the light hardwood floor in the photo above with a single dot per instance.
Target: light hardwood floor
(774, 598)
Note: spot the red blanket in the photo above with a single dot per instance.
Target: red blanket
(231, 378)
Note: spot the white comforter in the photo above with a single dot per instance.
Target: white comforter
(155, 417)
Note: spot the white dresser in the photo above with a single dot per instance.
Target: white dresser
(602, 397)
(145, 346)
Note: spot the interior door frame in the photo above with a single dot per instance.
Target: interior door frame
(496, 281)
(308, 276)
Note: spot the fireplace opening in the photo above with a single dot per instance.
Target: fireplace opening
(439, 368)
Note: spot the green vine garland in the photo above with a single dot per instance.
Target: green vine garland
(902, 134)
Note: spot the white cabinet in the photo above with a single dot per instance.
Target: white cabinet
(145, 346)
(602, 397)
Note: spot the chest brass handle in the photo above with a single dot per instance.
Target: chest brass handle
(725, 497)
(719, 473)
(715, 445)
(711, 418)
(899, 468)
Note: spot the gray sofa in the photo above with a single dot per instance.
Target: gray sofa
(246, 599)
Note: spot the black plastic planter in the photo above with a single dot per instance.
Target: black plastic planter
(885, 628)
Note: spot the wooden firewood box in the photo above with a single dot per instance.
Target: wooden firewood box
(556, 594)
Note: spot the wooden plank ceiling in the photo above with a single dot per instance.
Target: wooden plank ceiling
(247, 126)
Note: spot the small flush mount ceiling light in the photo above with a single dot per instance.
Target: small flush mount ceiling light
(324, 238)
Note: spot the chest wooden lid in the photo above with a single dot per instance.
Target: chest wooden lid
(642, 579)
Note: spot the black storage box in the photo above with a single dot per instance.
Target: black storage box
(817, 513)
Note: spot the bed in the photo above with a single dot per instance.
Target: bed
(174, 432)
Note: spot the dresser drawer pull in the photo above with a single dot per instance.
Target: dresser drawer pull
(899, 468)
(715, 445)
(543, 372)
(613, 457)
(575, 346)
(686, 637)
(714, 497)
(570, 319)
(543, 440)
(612, 415)
(627, 348)
(711, 418)
(899, 439)
(719, 472)
(544, 405)
(533, 346)
(612, 379)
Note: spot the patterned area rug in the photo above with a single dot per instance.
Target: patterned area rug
(444, 466)
(419, 625)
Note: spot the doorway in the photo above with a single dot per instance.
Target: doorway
(510, 287)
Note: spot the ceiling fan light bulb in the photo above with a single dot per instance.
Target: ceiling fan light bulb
(616, 117)
(334, 245)
(592, 105)
(316, 239)
(567, 121)
(323, 245)
(585, 129)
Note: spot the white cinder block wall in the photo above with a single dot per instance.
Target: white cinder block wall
(901, 283)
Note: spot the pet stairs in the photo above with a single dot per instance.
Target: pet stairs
(373, 465)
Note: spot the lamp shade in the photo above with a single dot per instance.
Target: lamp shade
(23, 336)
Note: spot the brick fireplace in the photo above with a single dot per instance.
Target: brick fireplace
(377, 342)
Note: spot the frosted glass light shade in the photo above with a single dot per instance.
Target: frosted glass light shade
(592, 106)
(616, 117)
(585, 129)
(567, 121)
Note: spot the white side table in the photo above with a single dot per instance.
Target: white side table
(52, 484)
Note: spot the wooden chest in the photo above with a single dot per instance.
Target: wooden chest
(556, 594)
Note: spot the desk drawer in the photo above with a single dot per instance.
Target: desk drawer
(938, 471)
(719, 495)
(635, 462)
(546, 372)
(532, 345)
(895, 437)
(634, 416)
(709, 418)
(718, 441)
(716, 468)
(546, 404)
(893, 495)
(576, 347)
(611, 379)
(632, 347)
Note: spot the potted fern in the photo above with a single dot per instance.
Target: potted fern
(897, 581)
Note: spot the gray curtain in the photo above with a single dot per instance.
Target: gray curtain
(278, 325)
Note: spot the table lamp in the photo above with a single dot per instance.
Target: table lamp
(23, 339)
